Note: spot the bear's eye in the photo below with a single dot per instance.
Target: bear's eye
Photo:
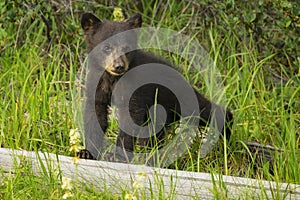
(107, 49)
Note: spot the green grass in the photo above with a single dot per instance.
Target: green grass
(37, 77)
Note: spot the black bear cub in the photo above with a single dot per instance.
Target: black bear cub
(117, 57)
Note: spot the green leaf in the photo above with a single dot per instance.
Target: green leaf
(288, 23)
(286, 4)
(250, 17)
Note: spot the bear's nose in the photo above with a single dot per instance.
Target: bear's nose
(119, 66)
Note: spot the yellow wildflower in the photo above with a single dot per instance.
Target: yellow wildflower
(118, 14)
(130, 197)
(141, 176)
(75, 159)
(139, 180)
(74, 136)
(67, 194)
(75, 140)
(75, 148)
(136, 184)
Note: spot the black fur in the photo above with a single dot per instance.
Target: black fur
(96, 31)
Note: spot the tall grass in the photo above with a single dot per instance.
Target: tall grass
(37, 77)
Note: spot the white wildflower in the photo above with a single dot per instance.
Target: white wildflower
(66, 183)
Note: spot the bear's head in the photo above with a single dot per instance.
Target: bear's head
(114, 40)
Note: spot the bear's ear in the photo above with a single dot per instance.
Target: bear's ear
(135, 21)
(89, 20)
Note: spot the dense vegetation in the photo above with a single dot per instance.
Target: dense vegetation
(255, 45)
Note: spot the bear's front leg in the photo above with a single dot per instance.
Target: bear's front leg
(95, 125)
(102, 113)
